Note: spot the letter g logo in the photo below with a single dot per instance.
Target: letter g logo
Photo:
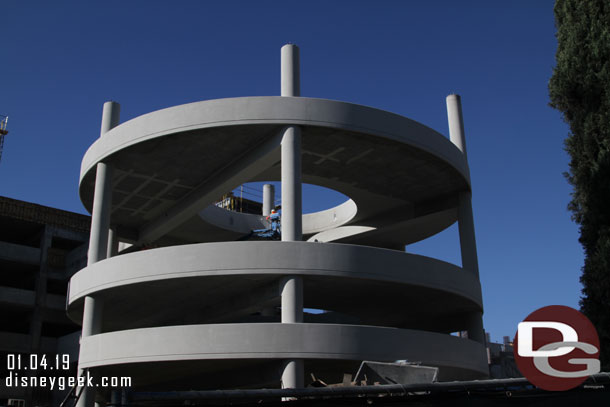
(551, 345)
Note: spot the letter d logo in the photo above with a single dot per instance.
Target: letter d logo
(525, 330)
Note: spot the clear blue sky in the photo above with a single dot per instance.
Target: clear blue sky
(61, 60)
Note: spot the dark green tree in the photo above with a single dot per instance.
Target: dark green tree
(580, 89)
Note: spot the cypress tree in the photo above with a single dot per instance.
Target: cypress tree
(580, 89)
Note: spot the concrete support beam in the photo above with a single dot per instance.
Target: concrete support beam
(69, 234)
(27, 298)
(98, 241)
(111, 115)
(292, 374)
(292, 228)
(17, 296)
(291, 290)
(92, 324)
(100, 216)
(19, 253)
(475, 329)
(470, 261)
(468, 245)
(102, 200)
(113, 243)
(40, 298)
(268, 199)
(292, 222)
(92, 319)
(465, 219)
(456, 122)
(291, 71)
(291, 287)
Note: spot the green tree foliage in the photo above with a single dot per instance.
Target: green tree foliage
(580, 89)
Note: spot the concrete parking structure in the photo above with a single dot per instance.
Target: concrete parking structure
(201, 309)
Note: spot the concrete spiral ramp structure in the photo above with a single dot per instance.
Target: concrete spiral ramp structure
(202, 310)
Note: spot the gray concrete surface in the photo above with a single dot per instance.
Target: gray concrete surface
(381, 170)
(200, 307)
(281, 341)
(268, 199)
(468, 245)
(200, 283)
(101, 239)
(291, 287)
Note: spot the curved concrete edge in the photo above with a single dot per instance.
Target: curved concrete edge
(246, 222)
(278, 258)
(273, 110)
(329, 219)
(233, 221)
(402, 231)
(340, 233)
(281, 341)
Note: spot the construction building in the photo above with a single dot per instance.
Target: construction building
(40, 250)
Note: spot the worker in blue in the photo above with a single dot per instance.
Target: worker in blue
(273, 232)
(274, 218)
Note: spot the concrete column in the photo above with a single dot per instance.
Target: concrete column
(99, 237)
(40, 290)
(100, 215)
(292, 224)
(291, 287)
(111, 115)
(113, 243)
(470, 261)
(92, 318)
(39, 305)
(293, 372)
(468, 244)
(291, 71)
(456, 122)
(102, 199)
(92, 325)
(268, 199)
(475, 329)
(268, 204)
(291, 290)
